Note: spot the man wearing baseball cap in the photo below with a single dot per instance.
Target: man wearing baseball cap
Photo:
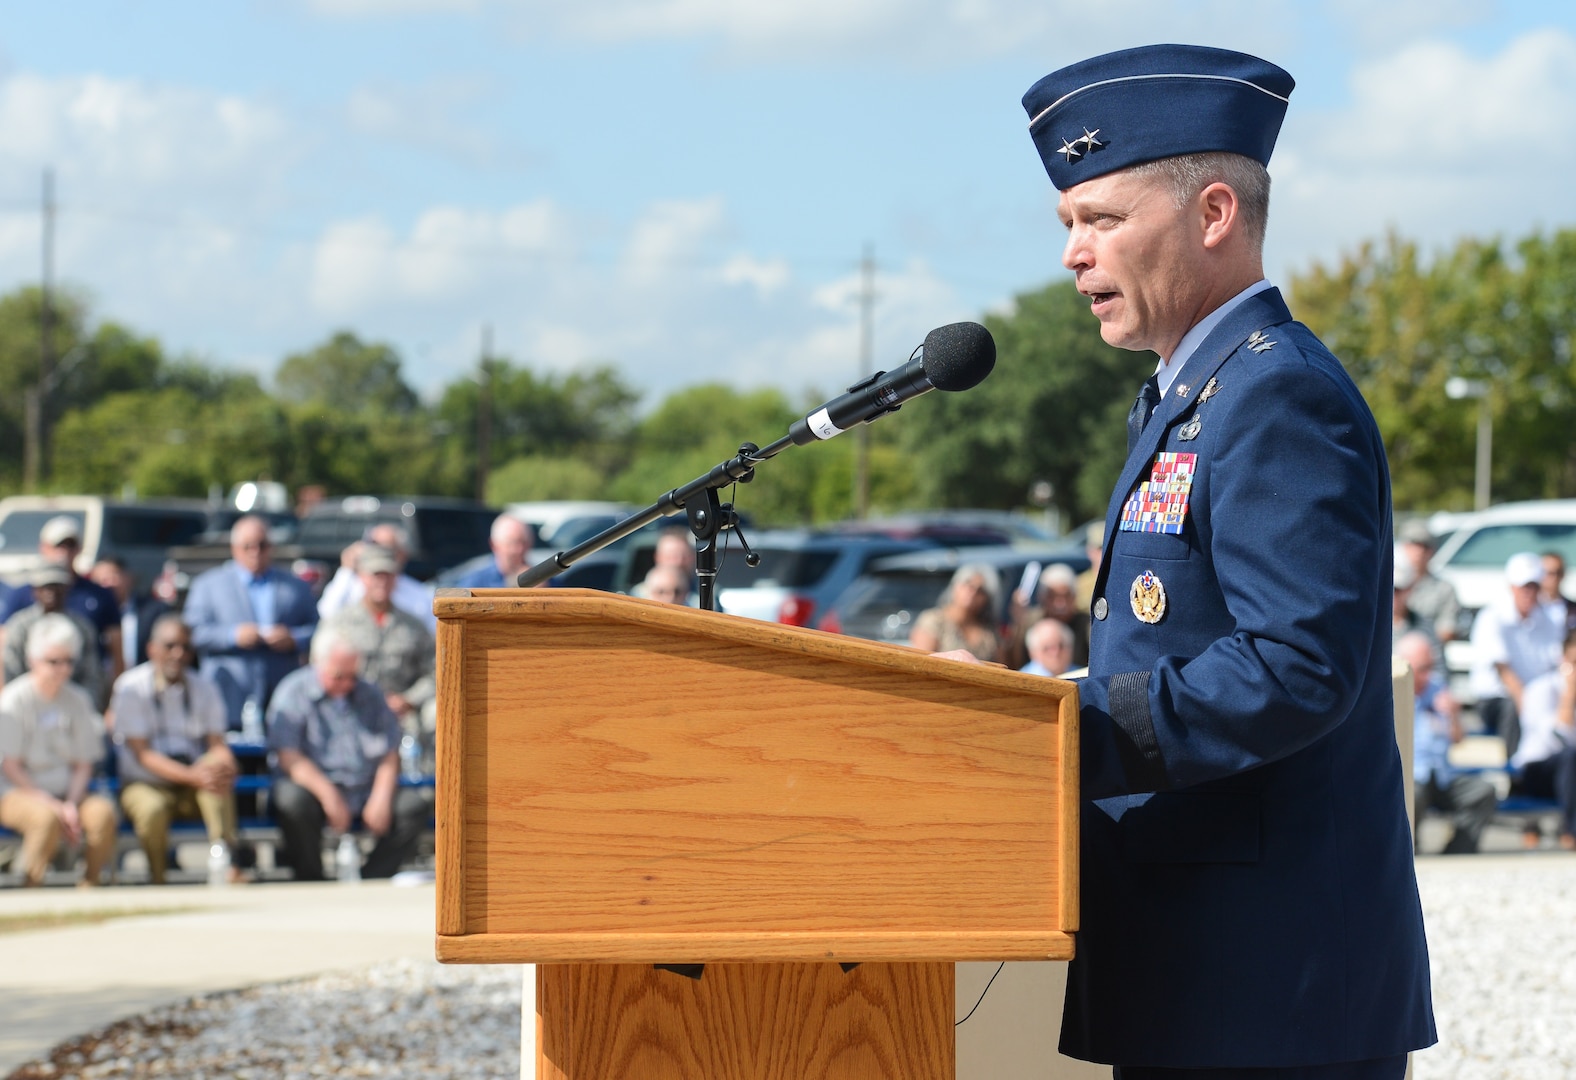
(1514, 640)
(1249, 904)
(60, 542)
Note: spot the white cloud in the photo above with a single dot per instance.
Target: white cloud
(1437, 144)
(909, 32)
(123, 134)
(766, 276)
(360, 265)
(670, 233)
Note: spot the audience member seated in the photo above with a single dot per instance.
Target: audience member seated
(410, 595)
(1551, 591)
(60, 542)
(136, 616)
(49, 591)
(250, 621)
(675, 551)
(1545, 762)
(50, 740)
(1058, 600)
(965, 616)
(1403, 619)
(1514, 640)
(1436, 727)
(337, 746)
(1430, 598)
(1050, 644)
(666, 584)
(174, 762)
(397, 652)
(511, 541)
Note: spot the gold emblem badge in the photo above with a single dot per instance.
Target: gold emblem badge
(1149, 598)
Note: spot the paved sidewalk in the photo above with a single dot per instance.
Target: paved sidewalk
(57, 983)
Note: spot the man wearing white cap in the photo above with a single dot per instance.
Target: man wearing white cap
(1514, 640)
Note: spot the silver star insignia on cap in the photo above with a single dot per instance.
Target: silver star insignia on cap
(1089, 140)
(1070, 149)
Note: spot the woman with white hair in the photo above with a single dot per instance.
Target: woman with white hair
(50, 738)
(964, 617)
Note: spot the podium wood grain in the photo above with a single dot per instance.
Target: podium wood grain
(620, 780)
(746, 1022)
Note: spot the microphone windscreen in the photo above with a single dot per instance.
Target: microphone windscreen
(958, 355)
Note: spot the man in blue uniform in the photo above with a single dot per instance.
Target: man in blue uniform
(1249, 907)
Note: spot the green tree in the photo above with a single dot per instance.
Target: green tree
(1500, 315)
(21, 352)
(349, 375)
(1053, 409)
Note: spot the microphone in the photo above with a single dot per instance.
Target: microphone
(953, 357)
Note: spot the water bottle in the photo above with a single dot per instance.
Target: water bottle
(252, 722)
(410, 758)
(347, 860)
(219, 864)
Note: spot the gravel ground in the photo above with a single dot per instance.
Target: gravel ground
(1502, 942)
(400, 1019)
(1502, 935)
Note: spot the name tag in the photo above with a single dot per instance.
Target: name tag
(1159, 504)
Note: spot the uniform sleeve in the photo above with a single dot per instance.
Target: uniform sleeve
(1297, 544)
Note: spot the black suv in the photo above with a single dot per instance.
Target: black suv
(443, 532)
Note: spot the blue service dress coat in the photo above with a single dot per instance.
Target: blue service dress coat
(217, 603)
(1249, 896)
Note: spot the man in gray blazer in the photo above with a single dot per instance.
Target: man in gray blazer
(250, 621)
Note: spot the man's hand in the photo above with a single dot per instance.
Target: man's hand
(215, 775)
(246, 636)
(378, 814)
(70, 821)
(335, 812)
(397, 704)
(348, 557)
(278, 638)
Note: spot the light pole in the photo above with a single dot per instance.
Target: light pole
(1457, 388)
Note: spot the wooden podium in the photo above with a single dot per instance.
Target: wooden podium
(623, 784)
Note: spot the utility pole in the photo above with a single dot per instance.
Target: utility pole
(484, 418)
(36, 435)
(867, 305)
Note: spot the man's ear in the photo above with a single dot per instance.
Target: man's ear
(1218, 214)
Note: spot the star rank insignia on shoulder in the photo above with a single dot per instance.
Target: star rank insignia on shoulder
(1259, 343)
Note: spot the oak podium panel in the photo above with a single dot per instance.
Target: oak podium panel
(626, 781)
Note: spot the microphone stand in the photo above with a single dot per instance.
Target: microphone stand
(708, 517)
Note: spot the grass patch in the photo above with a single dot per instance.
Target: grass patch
(54, 920)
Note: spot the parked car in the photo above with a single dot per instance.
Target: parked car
(548, 518)
(1473, 559)
(882, 604)
(443, 532)
(800, 572)
(139, 533)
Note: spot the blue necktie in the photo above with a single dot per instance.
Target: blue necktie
(1143, 408)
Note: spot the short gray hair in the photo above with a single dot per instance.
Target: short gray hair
(1189, 174)
(54, 631)
(328, 640)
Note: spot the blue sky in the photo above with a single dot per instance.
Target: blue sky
(683, 187)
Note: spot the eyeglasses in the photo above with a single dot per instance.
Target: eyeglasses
(260, 545)
(56, 661)
(178, 644)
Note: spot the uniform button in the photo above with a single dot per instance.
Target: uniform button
(1100, 609)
